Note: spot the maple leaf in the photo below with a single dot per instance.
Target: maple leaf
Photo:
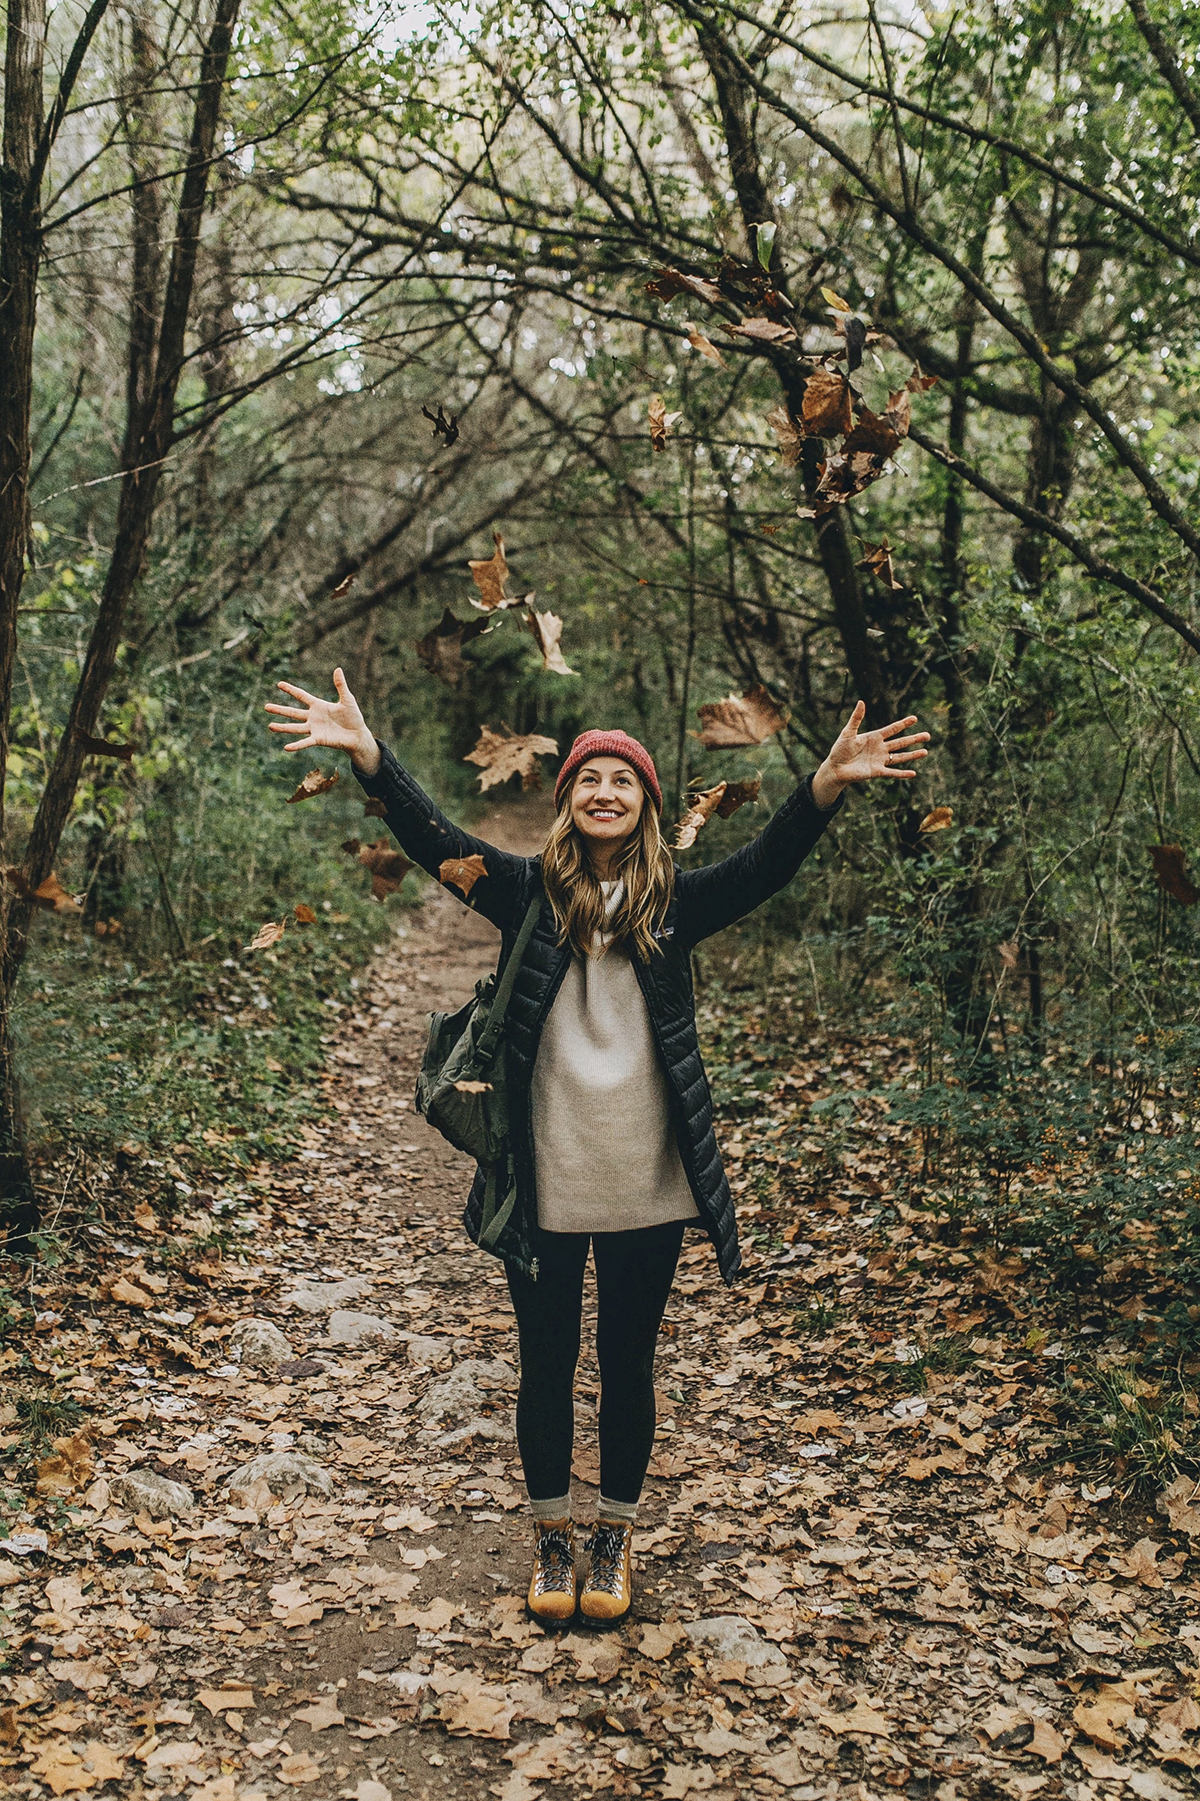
(62, 1770)
(705, 346)
(661, 421)
(738, 794)
(305, 915)
(825, 404)
(669, 282)
(741, 720)
(937, 821)
(440, 650)
(344, 586)
(220, 1700)
(462, 872)
(788, 436)
(321, 1715)
(878, 560)
(317, 781)
(267, 935)
(698, 814)
(490, 576)
(1170, 872)
(763, 331)
(503, 755)
(547, 631)
(387, 865)
(103, 747)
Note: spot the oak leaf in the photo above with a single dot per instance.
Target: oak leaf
(937, 821)
(267, 934)
(317, 781)
(440, 650)
(825, 405)
(462, 872)
(750, 718)
(503, 755)
(546, 629)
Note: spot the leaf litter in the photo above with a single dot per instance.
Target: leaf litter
(927, 1605)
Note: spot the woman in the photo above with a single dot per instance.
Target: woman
(613, 1142)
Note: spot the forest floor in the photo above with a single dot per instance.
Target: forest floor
(854, 1576)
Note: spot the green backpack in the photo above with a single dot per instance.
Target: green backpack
(462, 1088)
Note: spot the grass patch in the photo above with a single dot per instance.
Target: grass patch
(1134, 1430)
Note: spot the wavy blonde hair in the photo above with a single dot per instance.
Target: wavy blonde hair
(645, 867)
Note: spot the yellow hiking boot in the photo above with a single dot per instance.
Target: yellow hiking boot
(608, 1592)
(552, 1585)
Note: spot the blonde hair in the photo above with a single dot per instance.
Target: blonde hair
(644, 867)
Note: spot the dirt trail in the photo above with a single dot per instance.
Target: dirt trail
(838, 1594)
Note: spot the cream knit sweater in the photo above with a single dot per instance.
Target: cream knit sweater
(604, 1149)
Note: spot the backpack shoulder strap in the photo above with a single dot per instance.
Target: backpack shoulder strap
(507, 982)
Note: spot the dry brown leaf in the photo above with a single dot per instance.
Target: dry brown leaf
(145, 1218)
(71, 1467)
(1010, 953)
(440, 650)
(129, 1294)
(299, 1767)
(50, 895)
(547, 631)
(669, 282)
(1170, 872)
(878, 560)
(706, 347)
(919, 383)
(317, 781)
(1103, 1720)
(937, 821)
(789, 439)
(1178, 1502)
(825, 405)
(862, 1717)
(344, 586)
(503, 755)
(698, 814)
(374, 808)
(267, 935)
(739, 794)
(661, 421)
(321, 1715)
(103, 747)
(220, 1700)
(490, 576)
(462, 872)
(387, 865)
(750, 718)
(62, 1770)
(305, 914)
(1047, 1743)
(763, 331)
(478, 1709)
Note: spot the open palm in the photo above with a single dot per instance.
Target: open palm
(860, 757)
(336, 724)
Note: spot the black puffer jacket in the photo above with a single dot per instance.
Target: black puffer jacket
(705, 901)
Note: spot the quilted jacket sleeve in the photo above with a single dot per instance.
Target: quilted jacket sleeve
(712, 898)
(424, 833)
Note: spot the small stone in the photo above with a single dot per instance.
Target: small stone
(142, 1491)
(284, 1472)
(727, 1638)
(259, 1345)
(320, 1297)
(427, 1353)
(456, 1396)
(350, 1328)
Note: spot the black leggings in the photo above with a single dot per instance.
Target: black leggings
(634, 1272)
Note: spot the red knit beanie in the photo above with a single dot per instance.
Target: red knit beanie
(610, 744)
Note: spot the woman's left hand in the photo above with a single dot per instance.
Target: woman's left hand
(860, 757)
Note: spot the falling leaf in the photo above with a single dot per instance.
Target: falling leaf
(764, 242)
(878, 560)
(317, 781)
(501, 756)
(832, 298)
(440, 650)
(1010, 950)
(918, 383)
(698, 814)
(387, 865)
(898, 413)
(739, 794)
(1170, 872)
(52, 896)
(547, 630)
(763, 331)
(750, 718)
(706, 347)
(267, 935)
(445, 427)
(669, 282)
(462, 872)
(103, 747)
(772, 531)
(305, 914)
(344, 586)
(490, 576)
(788, 436)
(938, 820)
(825, 406)
(856, 336)
(661, 421)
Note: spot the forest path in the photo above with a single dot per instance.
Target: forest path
(846, 1587)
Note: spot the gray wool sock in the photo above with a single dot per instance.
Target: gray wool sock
(557, 1509)
(620, 1512)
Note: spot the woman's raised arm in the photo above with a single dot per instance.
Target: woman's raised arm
(418, 825)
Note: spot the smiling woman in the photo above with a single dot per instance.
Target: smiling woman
(609, 1117)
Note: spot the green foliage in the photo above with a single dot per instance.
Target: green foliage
(1134, 1430)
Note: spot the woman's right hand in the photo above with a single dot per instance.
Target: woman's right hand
(336, 724)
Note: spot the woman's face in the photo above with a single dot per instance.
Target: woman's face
(607, 798)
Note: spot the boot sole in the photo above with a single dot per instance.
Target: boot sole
(594, 1625)
(551, 1625)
